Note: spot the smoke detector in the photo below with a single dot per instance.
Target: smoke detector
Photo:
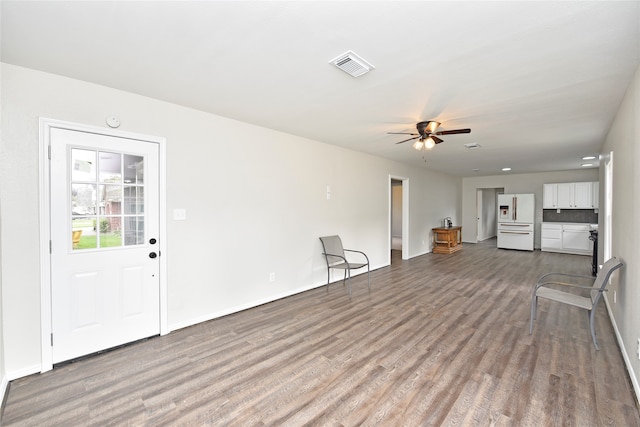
(352, 64)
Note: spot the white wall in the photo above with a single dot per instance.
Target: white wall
(514, 183)
(3, 375)
(255, 201)
(624, 140)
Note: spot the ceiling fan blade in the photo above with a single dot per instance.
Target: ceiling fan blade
(415, 137)
(401, 133)
(435, 139)
(452, 132)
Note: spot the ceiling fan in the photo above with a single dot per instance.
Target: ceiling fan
(426, 136)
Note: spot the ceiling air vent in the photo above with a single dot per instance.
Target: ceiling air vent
(472, 145)
(352, 64)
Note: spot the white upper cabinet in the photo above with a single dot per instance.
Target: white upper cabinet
(565, 195)
(582, 195)
(570, 195)
(549, 196)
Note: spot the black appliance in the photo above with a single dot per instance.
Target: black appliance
(594, 259)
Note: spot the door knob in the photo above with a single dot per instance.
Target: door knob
(153, 255)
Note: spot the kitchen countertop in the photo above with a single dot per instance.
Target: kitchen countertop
(591, 226)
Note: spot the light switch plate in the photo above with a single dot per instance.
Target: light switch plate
(179, 214)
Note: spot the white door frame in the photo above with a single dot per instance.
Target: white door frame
(45, 225)
(479, 215)
(405, 216)
(606, 238)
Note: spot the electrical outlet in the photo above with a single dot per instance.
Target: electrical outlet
(638, 349)
(272, 277)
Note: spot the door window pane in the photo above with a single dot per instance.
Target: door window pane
(83, 233)
(133, 169)
(83, 165)
(110, 231)
(110, 167)
(133, 200)
(106, 213)
(134, 230)
(110, 199)
(83, 199)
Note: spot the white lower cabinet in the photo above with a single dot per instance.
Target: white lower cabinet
(566, 238)
(576, 238)
(551, 236)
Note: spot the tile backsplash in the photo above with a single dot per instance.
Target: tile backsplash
(587, 216)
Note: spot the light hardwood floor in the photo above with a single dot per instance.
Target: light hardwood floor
(440, 340)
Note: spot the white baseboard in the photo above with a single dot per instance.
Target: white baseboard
(625, 355)
(25, 372)
(238, 308)
(428, 251)
(3, 388)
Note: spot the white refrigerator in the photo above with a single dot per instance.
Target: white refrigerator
(515, 221)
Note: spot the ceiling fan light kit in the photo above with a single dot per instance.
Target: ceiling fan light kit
(426, 143)
(426, 136)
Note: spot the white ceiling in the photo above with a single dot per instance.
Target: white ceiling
(537, 82)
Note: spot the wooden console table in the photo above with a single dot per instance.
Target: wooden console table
(447, 240)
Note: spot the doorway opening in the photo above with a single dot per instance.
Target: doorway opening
(398, 218)
(486, 214)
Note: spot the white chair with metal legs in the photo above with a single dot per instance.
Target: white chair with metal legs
(557, 287)
(335, 256)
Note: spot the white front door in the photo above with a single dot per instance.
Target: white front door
(104, 201)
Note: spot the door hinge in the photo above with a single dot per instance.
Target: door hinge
(52, 340)
(49, 151)
(50, 247)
